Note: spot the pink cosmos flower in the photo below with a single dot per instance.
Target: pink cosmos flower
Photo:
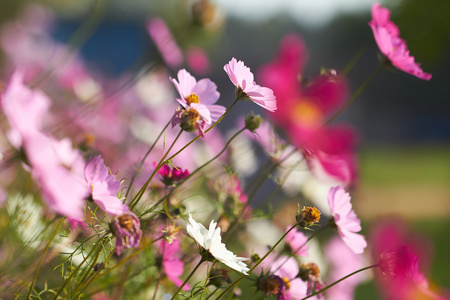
(297, 242)
(164, 41)
(63, 191)
(171, 175)
(342, 261)
(199, 95)
(172, 264)
(345, 219)
(386, 35)
(24, 108)
(246, 87)
(198, 60)
(103, 187)
(400, 255)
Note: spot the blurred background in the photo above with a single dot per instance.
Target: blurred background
(403, 122)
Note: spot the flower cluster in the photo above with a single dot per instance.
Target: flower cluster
(101, 176)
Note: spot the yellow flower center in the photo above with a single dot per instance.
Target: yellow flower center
(286, 281)
(126, 222)
(307, 113)
(193, 98)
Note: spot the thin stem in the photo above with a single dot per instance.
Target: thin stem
(78, 38)
(355, 59)
(187, 279)
(355, 94)
(160, 164)
(206, 280)
(198, 136)
(88, 282)
(195, 172)
(78, 267)
(299, 248)
(337, 281)
(138, 169)
(260, 261)
(43, 256)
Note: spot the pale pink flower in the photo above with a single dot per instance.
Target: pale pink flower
(171, 262)
(386, 35)
(343, 261)
(24, 108)
(246, 87)
(103, 187)
(297, 242)
(345, 219)
(63, 191)
(199, 95)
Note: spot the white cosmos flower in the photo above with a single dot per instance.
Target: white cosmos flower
(212, 241)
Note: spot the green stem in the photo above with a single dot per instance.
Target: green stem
(355, 94)
(195, 172)
(299, 248)
(198, 136)
(187, 279)
(43, 256)
(336, 282)
(145, 157)
(206, 280)
(160, 164)
(78, 267)
(257, 264)
(120, 263)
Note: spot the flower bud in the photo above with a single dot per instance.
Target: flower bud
(307, 216)
(270, 285)
(252, 121)
(127, 230)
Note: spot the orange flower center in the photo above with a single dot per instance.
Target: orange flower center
(307, 113)
(193, 98)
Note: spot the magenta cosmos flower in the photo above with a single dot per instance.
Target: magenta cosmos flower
(386, 35)
(103, 187)
(246, 87)
(200, 96)
(345, 219)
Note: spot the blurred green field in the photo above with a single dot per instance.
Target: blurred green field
(412, 183)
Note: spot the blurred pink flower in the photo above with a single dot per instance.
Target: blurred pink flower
(198, 60)
(246, 87)
(171, 262)
(297, 242)
(302, 112)
(386, 35)
(345, 219)
(199, 95)
(63, 191)
(24, 109)
(331, 153)
(103, 187)
(398, 254)
(342, 261)
(164, 41)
